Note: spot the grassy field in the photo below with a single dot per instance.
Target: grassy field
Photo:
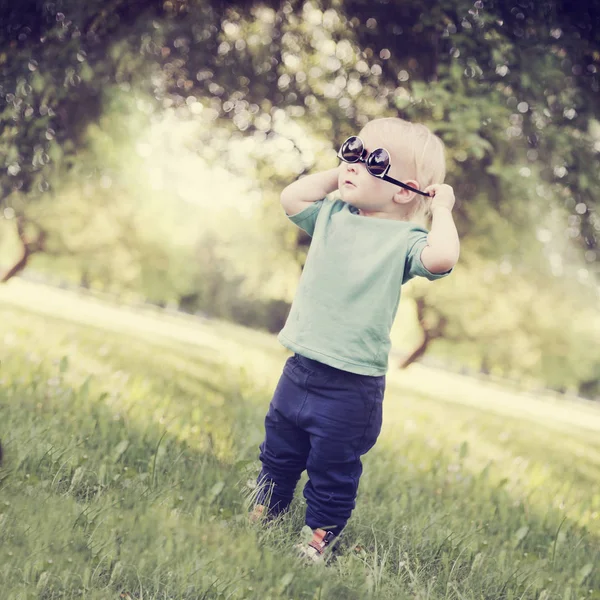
(131, 438)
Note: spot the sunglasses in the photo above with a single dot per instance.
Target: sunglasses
(377, 162)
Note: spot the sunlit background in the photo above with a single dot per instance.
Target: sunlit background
(144, 154)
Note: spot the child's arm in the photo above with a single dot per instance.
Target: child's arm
(443, 246)
(311, 188)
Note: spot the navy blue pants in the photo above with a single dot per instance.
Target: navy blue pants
(321, 419)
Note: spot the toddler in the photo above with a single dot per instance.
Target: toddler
(326, 411)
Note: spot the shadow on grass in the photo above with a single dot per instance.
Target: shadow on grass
(92, 501)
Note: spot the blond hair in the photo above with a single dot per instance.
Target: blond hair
(424, 152)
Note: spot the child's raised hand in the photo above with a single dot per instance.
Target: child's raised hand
(442, 196)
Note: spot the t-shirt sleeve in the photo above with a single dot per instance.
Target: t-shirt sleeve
(307, 218)
(414, 266)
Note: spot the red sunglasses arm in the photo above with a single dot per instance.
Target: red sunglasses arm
(404, 185)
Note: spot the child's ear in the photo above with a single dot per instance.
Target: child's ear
(404, 196)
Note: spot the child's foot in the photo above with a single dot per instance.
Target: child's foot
(258, 514)
(315, 550)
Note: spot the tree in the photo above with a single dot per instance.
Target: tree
(490, 79)
(511, 88)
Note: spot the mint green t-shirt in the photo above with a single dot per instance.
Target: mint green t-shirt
(348, 294)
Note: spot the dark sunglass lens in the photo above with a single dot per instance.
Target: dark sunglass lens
(352, 149)
(378, 161)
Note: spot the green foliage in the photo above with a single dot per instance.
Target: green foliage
(514, 87)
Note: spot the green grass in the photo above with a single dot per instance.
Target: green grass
(130, 440)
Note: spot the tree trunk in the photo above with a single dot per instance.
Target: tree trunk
(29, 248)
(428, 334)
(18, 266)
(415, 354)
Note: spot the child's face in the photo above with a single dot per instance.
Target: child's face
(361, 189)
